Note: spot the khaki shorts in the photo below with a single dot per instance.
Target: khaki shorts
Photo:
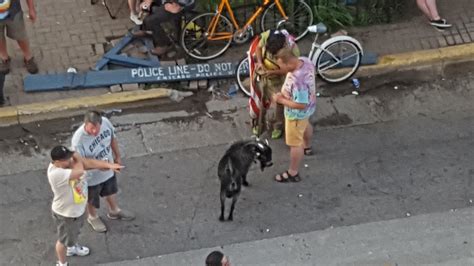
(294, 132)
(68, 229)
(15, 27)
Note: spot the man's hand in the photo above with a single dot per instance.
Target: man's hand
(32, 14)
(116, 167)
(118, 160)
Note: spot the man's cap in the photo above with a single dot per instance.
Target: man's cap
(60, 153)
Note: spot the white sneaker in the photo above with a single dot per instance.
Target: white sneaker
(135, 19)
(59, 264)
(77, 250)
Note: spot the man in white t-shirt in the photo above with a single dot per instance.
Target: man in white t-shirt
(95, 139)
(69, 186)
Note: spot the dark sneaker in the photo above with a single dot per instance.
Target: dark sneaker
(2, 102)
(440, 23)
(5, 66)
(31, 66)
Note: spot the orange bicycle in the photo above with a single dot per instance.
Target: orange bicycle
(209, 35)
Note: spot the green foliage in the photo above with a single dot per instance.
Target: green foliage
(333, 13)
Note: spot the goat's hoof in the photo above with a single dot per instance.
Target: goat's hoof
(245, 183)
(221, 219)
(230, 218)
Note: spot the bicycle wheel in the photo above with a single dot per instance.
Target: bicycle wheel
(338, 61)
(242, 75)
(198, 44)
(300, 17)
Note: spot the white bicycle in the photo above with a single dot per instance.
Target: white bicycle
(336, 59)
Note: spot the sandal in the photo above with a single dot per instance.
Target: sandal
(281, 177)
(294, 178)
(308, 151)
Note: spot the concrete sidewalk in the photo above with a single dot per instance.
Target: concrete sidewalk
(431, 239)
(74, 33)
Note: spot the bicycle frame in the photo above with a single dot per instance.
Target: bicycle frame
(317, 49)
(224, 4)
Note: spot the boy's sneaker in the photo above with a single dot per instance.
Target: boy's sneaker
(59, 264)
(135, 19)
(440, 23)
(97, 224)
(276, 133)
(77, 250)
(31, 65)
(5, 66)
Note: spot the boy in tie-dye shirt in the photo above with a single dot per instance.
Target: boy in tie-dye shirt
(298, 95)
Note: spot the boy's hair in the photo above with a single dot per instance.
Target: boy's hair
(275, 42)
(285, 55)
(214, 258)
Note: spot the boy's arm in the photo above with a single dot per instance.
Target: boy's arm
(279, 98)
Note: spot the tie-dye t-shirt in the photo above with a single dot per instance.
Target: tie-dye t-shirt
(300, 87)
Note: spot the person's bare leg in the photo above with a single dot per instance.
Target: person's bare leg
(424, 8)
(308, 135)
(61, 252)
(91, 211)
(296, 156)
(433, 9)
(25, 48)
(132, 5)
(3, 49)
(112, 203)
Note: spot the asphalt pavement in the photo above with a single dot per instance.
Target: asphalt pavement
(392, 175)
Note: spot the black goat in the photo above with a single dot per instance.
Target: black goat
(234, 166)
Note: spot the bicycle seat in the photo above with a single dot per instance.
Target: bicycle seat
(318, 28)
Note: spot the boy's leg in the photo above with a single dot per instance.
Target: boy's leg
(296, 156)
(308, 136)
(295, 130)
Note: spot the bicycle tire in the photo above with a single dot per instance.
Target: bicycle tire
(194, 35)
(242, 75)
(298, 30)
(326, 55)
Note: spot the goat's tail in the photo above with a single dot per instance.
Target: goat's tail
(229, 168)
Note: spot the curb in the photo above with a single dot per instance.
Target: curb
(411, 60)
(28, 113)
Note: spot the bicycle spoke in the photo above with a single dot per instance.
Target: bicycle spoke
(338, 61)
(200, 44)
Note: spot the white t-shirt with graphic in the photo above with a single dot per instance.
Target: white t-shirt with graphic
(70, 196)
(96, 147)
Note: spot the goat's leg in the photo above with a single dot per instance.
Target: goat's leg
(221, 218)
(244, 181)
(231, 214)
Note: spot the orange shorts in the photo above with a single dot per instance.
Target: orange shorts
(294, 132)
